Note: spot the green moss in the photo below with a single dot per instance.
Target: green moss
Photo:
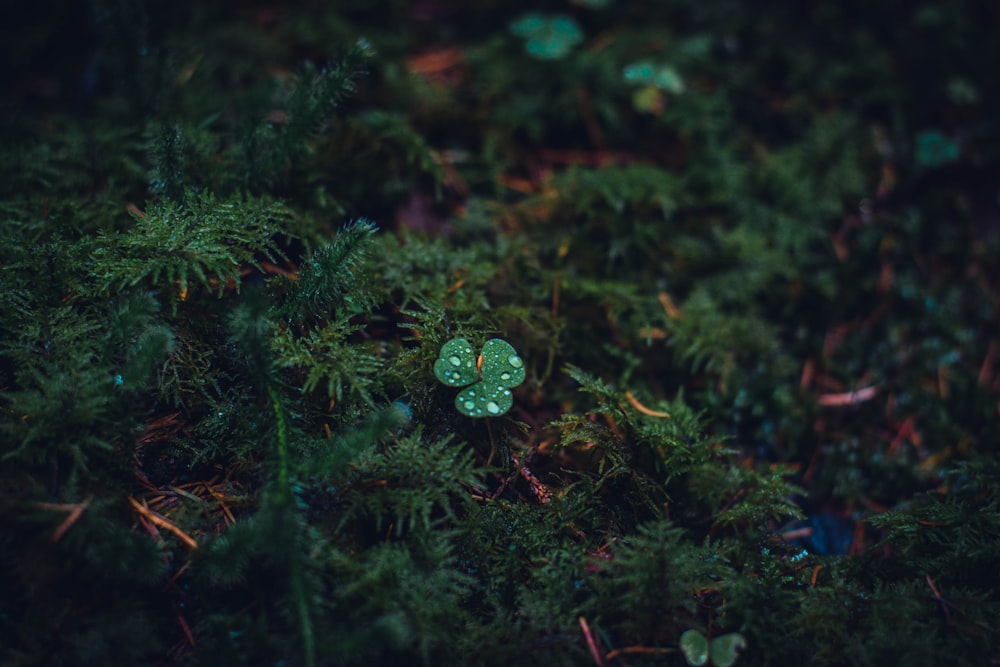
(754, 307)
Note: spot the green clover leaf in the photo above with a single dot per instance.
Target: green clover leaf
(547, 37)
(723, 651)
(491, 376)
(660, 77)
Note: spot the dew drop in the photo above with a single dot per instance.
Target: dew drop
(506, 392)
(493, 408)
(454, 360)
(469, 405)
(505, 376)
(515, 361)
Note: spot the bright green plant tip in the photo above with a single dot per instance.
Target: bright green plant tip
(489, 394)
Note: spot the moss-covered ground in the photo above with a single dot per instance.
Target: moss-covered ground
(746, 257)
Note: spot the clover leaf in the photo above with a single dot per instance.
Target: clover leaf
(661, 77)
(547, 37)
(723, 651)
(491, 375)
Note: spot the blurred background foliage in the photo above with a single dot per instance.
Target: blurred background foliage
(749, 256)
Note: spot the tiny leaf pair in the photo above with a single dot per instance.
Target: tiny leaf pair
(722, 651)
(491, 375)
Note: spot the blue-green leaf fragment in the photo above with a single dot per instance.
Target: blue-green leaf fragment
(725, 649)
(547, 37)
(695, 648)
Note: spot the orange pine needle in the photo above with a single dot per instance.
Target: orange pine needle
(848, 397)
(178, 573)
(673, 312)
(150, 528)
(219, 498)
(186, 629)
(643, 409)
(435, 61)
(75, 512)
(592, 643)
(163, 523)
(808, 371)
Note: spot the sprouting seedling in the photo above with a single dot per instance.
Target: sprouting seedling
(491, 375)
(723, 651)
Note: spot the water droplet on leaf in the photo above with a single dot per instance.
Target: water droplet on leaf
(695, 648)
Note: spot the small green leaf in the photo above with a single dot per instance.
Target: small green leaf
(484, 399)
(648, 99)
(456, 365)
(726, 649)
(695, 648)
(641, 72)
(935, 149)
(661, 77)
(501, 365)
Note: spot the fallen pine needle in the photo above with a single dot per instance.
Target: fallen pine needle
(75, 512)
(163, 523)
(592, 643)
(672, 311)
(187, 630)
(643, 409)
(849, 397)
